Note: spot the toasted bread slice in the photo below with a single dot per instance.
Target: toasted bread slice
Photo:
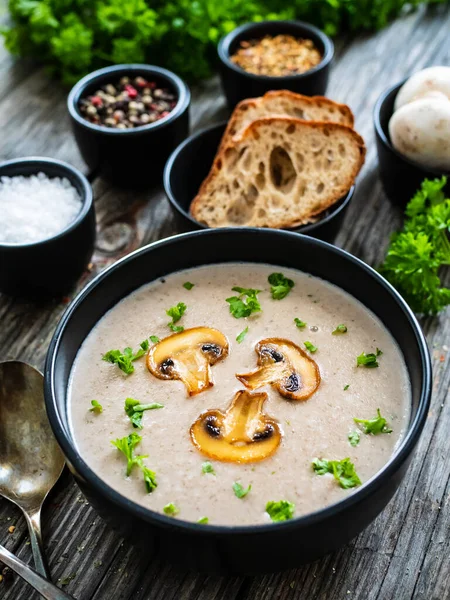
(283, 103)
(280, 173)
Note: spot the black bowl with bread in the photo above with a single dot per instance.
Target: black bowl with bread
(244, 548)
(310, 79)
(283, 161)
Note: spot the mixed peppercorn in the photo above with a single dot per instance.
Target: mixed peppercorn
(277, 56)
(130, 103)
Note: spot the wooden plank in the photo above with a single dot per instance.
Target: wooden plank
(385, 560)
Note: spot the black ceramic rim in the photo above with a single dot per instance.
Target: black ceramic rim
(383, 136)
(332, 212)
(396, 460)
(64, 171)
(223, 49)
(182, 90)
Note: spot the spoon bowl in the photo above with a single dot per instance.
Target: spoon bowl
(30, 459)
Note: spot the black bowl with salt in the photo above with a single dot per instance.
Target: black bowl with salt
(48, 227)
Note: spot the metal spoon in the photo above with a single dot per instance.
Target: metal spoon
(30, 459)
(44, 587)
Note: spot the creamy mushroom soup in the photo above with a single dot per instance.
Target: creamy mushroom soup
(262, 406)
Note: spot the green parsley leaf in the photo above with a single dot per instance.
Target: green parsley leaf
(208, 468)
(203, 520)
(346, 387)
(353, 438)
(281, 510)
(126, 445)
(340, 329)
(239, 490)
(241, 336)
(149, 478)
(280, 285)
(368, 360)
(188, 285)
(245, 304)
(171, 510)
(96, 407)
(418, 252)
(124, 360)
(154, 339)
(176, 312)
(134, 409)
(310, 346)
(376, 425)
(300, 324)
(342, 470)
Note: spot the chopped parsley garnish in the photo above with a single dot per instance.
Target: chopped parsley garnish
(368, 360)
(208, 468)
(176, 312)
(353, 438)
(124, 360)
(280, 285)
(376, 425)
(310, 346)
(239, 490)
(154, 339)
(346, 387)
(299, 323)
(245, 304)
(203, 520)
(340, 329)
(342, 470)
(96, 407)
(188, 285)
(135, 409)
(281, 510)
(241, 336)
(126, 445)
(171, 510)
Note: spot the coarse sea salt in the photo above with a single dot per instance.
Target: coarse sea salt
(36, 208)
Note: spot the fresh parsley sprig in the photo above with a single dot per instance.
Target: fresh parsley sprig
(282, 510)
(96, 407)
(368, 360)
(245, 304)
(374, 426)
(239, 490)
(134, 409)
(280, 285)
(417, 253)
(124, 360)
(343, 471)
(126, 445)
(176, 312)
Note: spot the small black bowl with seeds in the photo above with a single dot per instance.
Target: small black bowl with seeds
(127, 119)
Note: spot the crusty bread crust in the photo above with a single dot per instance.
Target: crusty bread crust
(288, 104)
(300, 155)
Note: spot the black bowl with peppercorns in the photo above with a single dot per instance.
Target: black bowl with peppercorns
(127, 119)
(274, 55)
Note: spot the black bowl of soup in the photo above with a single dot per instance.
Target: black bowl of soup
(189, 165)
(212, 482)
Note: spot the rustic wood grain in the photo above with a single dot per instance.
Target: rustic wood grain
(405, 553)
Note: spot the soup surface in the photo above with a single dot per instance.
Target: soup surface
(318, 427)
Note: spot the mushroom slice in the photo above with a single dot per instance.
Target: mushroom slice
(188, 356)
(241, 434)
(285, 366)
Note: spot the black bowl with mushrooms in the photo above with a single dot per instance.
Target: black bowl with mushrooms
(241, 549)
(189, 165)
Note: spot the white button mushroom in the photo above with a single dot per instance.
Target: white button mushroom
(420, 130)
(424, 83)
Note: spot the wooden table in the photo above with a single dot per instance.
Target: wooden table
(405, 553)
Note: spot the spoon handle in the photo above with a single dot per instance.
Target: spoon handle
(34, 527)
(44, 587)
